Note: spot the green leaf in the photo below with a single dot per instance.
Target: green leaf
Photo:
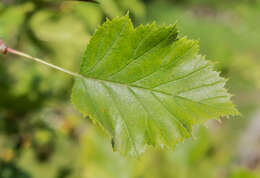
(146, 86)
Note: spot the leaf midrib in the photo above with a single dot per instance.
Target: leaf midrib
(131, 86)
(145, 89)
(126, 85)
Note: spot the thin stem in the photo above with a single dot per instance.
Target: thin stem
(15, 52)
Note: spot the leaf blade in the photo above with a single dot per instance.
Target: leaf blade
(145, 86)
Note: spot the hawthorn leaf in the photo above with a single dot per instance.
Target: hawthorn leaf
(146, 86)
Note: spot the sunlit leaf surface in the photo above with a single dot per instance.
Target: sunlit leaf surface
(146, 86)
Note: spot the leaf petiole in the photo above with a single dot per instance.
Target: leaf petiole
(4, 49)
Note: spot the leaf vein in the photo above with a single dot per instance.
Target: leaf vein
(135, 59)
(121, 115)
(182, 77)
(201, 86)
(173, 115)
(178, 59)
(107, 51)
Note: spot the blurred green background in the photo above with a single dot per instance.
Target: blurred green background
(43, 136)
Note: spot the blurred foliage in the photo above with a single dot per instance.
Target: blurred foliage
(41, 135)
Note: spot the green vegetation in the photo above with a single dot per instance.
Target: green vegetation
(146, 86)
(42, 135)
